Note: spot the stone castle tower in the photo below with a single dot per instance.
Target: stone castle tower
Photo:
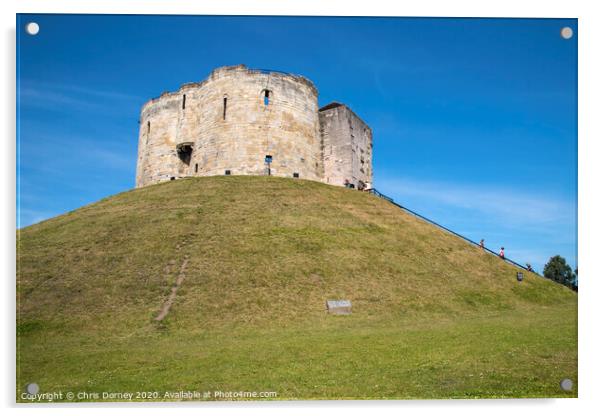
(242, 121)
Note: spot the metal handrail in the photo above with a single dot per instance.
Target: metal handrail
(379, 194)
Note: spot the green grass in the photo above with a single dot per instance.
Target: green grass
(433, 317)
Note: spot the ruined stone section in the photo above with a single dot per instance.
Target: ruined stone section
(231, 121)
(347, 146)
(236, 138)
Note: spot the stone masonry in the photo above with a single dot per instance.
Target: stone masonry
(347, 146)
(241, 121)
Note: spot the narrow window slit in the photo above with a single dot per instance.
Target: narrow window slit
(225, 105)
(183, 101)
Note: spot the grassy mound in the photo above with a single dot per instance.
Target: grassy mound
(257, 258)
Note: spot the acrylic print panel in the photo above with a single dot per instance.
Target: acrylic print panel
(295, 208)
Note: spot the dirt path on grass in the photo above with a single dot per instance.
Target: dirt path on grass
(174, 290)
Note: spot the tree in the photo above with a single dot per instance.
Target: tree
(559, 271)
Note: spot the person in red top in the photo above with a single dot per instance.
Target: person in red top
(502, 252)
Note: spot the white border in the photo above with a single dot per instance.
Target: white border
(458, 8)
(590, 135)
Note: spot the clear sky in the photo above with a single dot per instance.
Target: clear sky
(474, 120)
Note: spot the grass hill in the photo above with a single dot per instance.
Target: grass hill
(247, 264)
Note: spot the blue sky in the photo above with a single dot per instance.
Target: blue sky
(474, 120)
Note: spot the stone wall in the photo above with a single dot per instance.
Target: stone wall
(157, 159)
(236, 138)
(230, 122)
(347, 146)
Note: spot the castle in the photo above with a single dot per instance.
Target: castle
(242, 121)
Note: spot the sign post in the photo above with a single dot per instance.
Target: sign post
(339, 307)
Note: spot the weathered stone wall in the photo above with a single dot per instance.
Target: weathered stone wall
(225, 124)
(157, 159)
(238, 140)
(347, 146)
